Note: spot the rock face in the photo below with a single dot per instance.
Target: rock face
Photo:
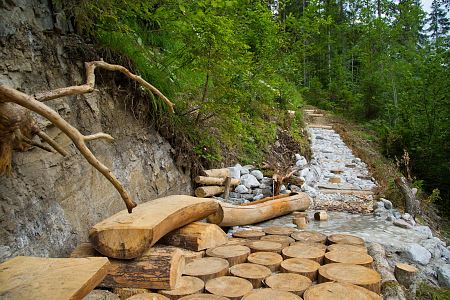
(48, 203)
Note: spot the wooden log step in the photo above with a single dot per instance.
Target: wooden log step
(207, 268)
(187, 285)
(405, 275)
(227, 286)
(282, 239)
(249, 234)
(237, 241)
(339, 290)
(345, 239)
(289, 282)
(316, 245)
(302, 266)
(309, 236)
(126, 236)
(353, 274)
(265, 246)
(234, 254)
(208, 191)
(158, 268)
(252, 272)
(279, 230)
(221, 173)
(215, 180)
(270, 294)
(349, 257)
(304, 251)
(25, 277)
(196, 236)
(203, 297)
(145, 296)
(270, 260)
(346, 247)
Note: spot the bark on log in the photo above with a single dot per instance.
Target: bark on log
(222, 173)
(339, 290)
(252, 272)
(270, 260)
(209, 191)
(189, 255)
(289, 282)
(187, 285)
(234, 254)
(204, 180)
(227, 286)
(126, 293)
(234, 215)
(410, 198)
(196, 236)
(126, 236)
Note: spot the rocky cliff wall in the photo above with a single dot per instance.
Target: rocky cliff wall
(48, 203)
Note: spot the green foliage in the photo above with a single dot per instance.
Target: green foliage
(428, 292)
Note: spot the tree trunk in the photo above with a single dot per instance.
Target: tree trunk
(204, 180)
(410, 198)
(209, 191)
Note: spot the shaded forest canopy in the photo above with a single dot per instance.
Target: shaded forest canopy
(233, 68)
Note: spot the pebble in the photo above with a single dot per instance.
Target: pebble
(258, 197)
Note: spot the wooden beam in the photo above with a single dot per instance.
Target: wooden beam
(204, 180)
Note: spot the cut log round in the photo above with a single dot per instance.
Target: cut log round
(252, 272)
(300, 222)
(215, 180)
(339, 290)
(345, 247)
(207, 268)
(270, 260)
(125, 293)
(282, 239)
(249, 234)
(222, 173)
(353, 274)
(227, 286)
(187, 285)
(309, 236)
(234, 254)
(235, 215)
(127, 236)
(196, 236)
(302, 266)
(279, 230)
(208, 191)
(321, 216)
(203, 297)
(289, 282)
(148, 296)
(345, 239)
(349, 257)
(317, 245)
(265, 246)
(304, 251)
(237, 241)
(405, 274)
(270, 294)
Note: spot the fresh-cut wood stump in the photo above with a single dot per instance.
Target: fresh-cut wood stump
(25, 277)
(316, 245)
(126, 236)
(249, 234)
(300, 222)
(270, 260)
(196, 236)
(309, 236)
(349, 257)
(345, 239)
(252, 272)
(307, 251)
(345, 247)
(265, 246)
(339, 290)
(282, 239)
(302, 266)
(203, 297)
(234, 254)
(279, 230)
(406, 275)
(321, 216)
(353, 274)
(187, 285)
(215, 180)
(147, 296)
(227, 286)
(208, 191)
(222, 173)
(270, 294)
(207, 268)
(289, 282)
(237, 241)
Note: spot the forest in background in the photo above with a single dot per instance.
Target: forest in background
(234, 67)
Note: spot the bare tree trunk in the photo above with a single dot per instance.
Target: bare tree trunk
(410, 197)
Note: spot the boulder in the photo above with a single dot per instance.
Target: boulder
(258, 174)
(258, 197)
(402, 223)
(443, 275)
(432, 245)
(417, 254)
(425, 230)
(249, 181)
(241, 189)
(235, 172)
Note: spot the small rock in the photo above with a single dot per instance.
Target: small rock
(285, 192)
(418, 254)
(406, 216)
(319, 137)
(378, 205)
(432, 245)
(445, 252)
(304, 172)
(402, 223)
(257, 191)
(397, 214)
(263, 186)
(235, 195)
(282, 188)
(301, 162)
(249, 181)
(298, 156)
(295, 189)
(258, 197)
(390, 218)
(267, 181)
(443, 275)
(241, 189)
(258, 174)
(235, 172)
(244, 171)
(248, 196)
(387, 203)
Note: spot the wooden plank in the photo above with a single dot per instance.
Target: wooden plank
(222, 173)
(158, 268)
(196, 236)
(126, 236)
(25, 277)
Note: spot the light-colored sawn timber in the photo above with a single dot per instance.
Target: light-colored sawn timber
(204, 180)
(127, 236)
(25, 277)
(208, 191)
(235, 215)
